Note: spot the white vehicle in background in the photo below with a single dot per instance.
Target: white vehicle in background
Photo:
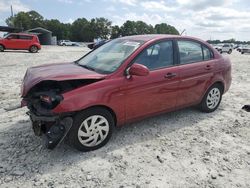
(239, 48)
(245, 49)
(218, 47)
(228, 48)
(67, 43)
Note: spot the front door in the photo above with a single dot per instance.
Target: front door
(156, 92)
(12, 42)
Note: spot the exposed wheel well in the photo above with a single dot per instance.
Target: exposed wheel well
(221, 84)
(33, 45)
(107, 108)
(3, 46)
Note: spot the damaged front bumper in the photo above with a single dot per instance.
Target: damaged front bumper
(53, 128)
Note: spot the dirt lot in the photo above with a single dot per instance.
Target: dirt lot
(186, 148)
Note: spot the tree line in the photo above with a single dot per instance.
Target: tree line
(84, 30)
(228, 41)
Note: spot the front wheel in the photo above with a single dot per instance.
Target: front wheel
(1, 48)
(92, 129)
(212, 99)
(229, 52)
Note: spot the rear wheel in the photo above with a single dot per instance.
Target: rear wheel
(1, 48)
(230, 51)
(92, 129)
(33, 49)
(212, 99)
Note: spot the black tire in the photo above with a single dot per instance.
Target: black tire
(79, 119)
(1, 48)
(229, 52)
(204, 106)
(242, 52)
(33, 49)
(63, 44)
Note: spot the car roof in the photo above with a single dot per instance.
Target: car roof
(150, 37)
(24, 34)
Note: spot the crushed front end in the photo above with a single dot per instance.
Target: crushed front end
(52, 127)
(41, 100)
(42, 91)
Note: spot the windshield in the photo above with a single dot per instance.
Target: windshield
(107, 58)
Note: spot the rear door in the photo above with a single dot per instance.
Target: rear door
(196, 71)
(158, 91)
(24, 41)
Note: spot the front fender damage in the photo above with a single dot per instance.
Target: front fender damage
(41, 100)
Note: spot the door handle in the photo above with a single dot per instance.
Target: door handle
(208, 67)
(170, 75)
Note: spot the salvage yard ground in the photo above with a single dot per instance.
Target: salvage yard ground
(186, 148)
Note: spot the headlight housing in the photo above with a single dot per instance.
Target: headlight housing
(50, 100)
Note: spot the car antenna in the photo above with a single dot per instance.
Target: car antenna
(183, 31)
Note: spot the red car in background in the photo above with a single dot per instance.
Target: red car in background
(20, 41)
(124, 80)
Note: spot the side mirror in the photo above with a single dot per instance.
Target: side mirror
(137, 70)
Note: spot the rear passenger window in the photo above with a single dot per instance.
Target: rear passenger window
(190, 52)
(24, 37)
(207, 53)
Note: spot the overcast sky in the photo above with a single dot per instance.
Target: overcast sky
(207, 19)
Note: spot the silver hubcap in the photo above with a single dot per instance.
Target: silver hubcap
(93, 131)
(213, 98)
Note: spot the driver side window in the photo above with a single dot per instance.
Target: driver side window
(157, 56)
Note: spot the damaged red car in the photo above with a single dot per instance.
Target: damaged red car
(124, 80)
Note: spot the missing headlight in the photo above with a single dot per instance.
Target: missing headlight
(49, 100)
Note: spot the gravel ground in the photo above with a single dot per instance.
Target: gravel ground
(186, 148)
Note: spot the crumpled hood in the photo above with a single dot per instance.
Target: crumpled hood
(56, 72)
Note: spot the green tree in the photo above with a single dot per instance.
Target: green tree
(143, 28)
(81, 30)
(229, 41)
(26, 20)
(61, 30)
(164, 28)
(101, 28)
(115, 32)
(136, 28)
(128, 28)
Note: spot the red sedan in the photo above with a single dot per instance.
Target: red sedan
(124, 80)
